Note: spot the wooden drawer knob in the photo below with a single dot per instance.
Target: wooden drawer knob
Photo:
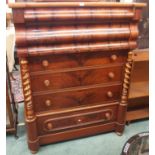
(79, 120)
(48, 103)
(113, 57)
(47, 82)
(49, 126)
(45, 63)
(107, 116)
(109, 94)
(111, 75)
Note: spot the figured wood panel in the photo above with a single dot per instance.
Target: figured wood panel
(76, 97)
(77, 119)
(77, 33)
(55, 62)
(77, 77)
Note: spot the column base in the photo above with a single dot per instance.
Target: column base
(119, 133)
(33, 152)
(34, 146)
(119, 129)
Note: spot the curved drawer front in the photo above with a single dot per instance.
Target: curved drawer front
(77, 14)
(78, 77)
(54, 62)
(78, 119)
(74, 34)
(73, 98)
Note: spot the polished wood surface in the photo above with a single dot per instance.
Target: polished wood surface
(78, 33)
(76, 98)
(75, 4)
(76, 61)
(72, 120)
(70, 61)
(49, 80)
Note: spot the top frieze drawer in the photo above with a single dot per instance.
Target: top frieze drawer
(68, 15)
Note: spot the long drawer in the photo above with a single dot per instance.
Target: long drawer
(59, 122)
(75, 77)
(76, 97)
(82, 33)
(62, 61)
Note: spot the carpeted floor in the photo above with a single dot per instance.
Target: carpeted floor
(17, 87)
(103, 144)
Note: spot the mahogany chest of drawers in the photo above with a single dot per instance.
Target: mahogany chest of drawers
(75, 60)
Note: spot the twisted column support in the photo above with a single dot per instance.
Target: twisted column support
(30, 117)
(121, 117)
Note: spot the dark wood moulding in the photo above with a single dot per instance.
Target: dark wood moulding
(76, 14)
(74, 4)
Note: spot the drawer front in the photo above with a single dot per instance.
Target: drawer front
(76, 98)
(77, 119)
(75, 78)
(61, 61)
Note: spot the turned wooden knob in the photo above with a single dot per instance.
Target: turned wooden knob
(79, 120)
(109, 94)
(113, 57)
(47, 82)
(107, 116)
(45, 63)
(48, 103)
(49, 126)
(111, 75)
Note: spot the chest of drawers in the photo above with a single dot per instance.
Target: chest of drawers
(75, 60)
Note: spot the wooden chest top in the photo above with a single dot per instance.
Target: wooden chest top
(74, 27)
